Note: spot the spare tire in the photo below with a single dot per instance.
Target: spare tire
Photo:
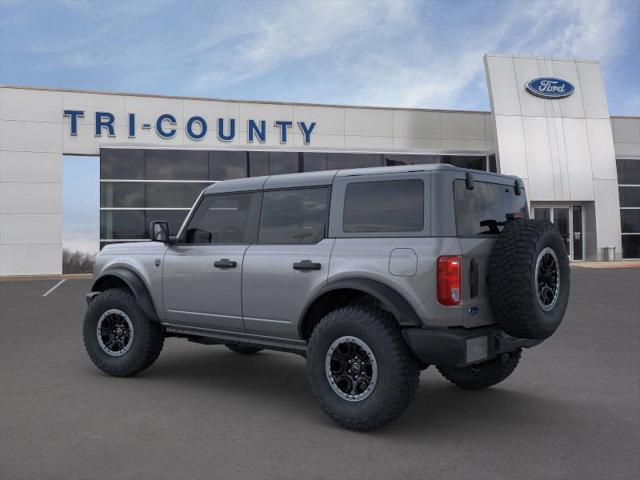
(529, 279)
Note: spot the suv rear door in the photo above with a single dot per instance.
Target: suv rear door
(480, 214)
(289, 262)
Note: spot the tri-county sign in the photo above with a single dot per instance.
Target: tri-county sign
(550, 87)
(196, 127)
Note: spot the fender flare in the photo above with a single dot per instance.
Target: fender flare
(135, 284)
(391, 299)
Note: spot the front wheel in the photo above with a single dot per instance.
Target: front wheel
(485, 374)
(360, 369)
(118, 337)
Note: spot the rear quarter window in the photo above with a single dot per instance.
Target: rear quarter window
(485, 209)
(384, 206)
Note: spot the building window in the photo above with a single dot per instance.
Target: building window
(172, 195)
(493, 164)
(384, 206)
(122, 224)
(629, 194)
(631, 246)
(396, 160)
(337, 161)
(314, 161)
(225, 165)
(294, 216)
(258, 164)
(283, 162)
(122, 195)
(122, 164)
(177, 165)
(628, 171)
(474, 162)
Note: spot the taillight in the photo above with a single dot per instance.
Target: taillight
(449, 280)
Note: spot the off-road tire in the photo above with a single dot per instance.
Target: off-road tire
(243, 349)
(398, 370)
(484, 374)
(512, 279)
(148, 336)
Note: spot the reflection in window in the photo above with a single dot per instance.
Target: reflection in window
(116, 224)
(283, 162)
(258, 164)
(314, 161)
(395, 160)
(224, 219)
(630, 221)
(631, 246)
(122, 195)
(294, 216)
(629, 196)
(353, 160)
(474, 162)
(493, 163)
(173, 195)
(225, 165)
(384, 206)
(122, 164)
(177, 165)
(628, 171)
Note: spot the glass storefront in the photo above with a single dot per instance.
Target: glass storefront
(569, 221)
(629, 194)
(138, 185)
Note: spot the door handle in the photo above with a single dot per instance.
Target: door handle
(225, 263)
(306, 265)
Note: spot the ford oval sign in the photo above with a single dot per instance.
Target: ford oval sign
(550, 87)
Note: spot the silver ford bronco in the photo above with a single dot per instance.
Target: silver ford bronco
(370, 274)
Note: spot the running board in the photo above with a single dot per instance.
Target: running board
(212, 337)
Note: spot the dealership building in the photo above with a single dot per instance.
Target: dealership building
(549, 124)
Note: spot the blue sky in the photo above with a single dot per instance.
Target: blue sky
(390, 53)
(393, 53)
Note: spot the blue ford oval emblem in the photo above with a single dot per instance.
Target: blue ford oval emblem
(550, 87)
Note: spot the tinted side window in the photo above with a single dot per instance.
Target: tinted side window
(294, 216)
(484, 209)
(384, 206)
(223, 219)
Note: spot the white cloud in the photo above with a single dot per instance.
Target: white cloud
(388, 52)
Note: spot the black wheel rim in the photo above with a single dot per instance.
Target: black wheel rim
(351, 368)
(547, 279)
(114, 332)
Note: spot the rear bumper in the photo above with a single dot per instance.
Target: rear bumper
(461, 347)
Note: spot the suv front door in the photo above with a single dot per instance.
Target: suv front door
(289, 262)
(202, 273)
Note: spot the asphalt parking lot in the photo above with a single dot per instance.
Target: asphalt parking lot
(570, 411)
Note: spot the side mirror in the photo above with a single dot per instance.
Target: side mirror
(159, 232)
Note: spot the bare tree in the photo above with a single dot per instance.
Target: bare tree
(76, 262)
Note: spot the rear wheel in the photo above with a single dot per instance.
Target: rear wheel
(360, 369)
(118, 337)
(483, 374)
(243, 349)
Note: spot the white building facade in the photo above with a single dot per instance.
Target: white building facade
(549, 124)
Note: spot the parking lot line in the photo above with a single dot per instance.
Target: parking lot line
(54, 287)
